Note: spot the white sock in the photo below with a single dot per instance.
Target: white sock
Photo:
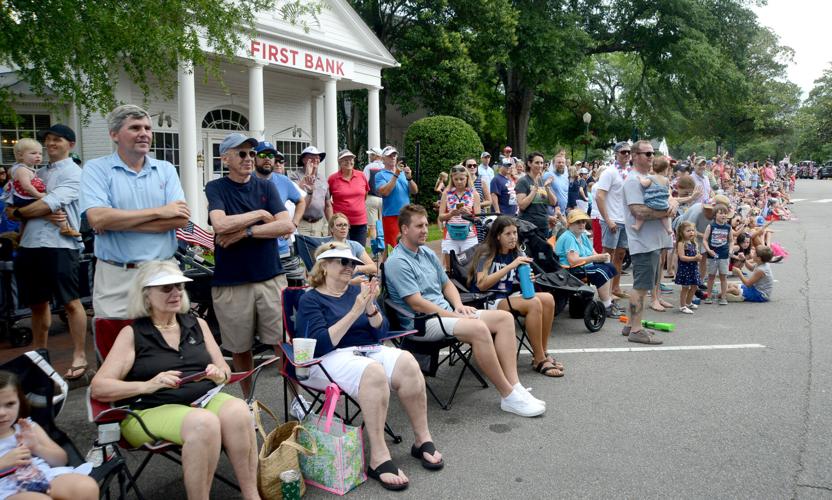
(608, 302)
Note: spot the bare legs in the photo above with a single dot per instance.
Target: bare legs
(495, 357)
(618, 255)
(539, 313)
(77, 318)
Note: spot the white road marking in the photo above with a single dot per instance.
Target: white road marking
(798, 199)
(825, 200)
(657, 348)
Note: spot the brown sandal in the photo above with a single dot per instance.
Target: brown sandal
(547, 370)
(555, 362)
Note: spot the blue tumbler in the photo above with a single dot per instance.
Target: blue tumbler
(524, 274)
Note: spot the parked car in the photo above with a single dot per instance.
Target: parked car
(825, 172)
(806, 170)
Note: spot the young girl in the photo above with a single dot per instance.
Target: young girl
(687, 270)
(497, 262)
(754, 178)
(758, 286)
(25, 187)
(439, 187)
(24, 443)
(459, 199)
(657, 191)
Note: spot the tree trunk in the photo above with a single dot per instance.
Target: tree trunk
(518, 111)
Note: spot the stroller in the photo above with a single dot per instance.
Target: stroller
(567, 289)
(47, 393)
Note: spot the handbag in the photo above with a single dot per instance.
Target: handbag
(338, 467)
(279, 453)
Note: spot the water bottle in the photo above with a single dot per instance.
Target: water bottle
(524, 274)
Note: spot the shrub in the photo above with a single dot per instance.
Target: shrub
(444, 141)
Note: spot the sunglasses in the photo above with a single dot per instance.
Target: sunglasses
(246, 154)
(623, 152)
(265, 155)
(346, 262)
(458, 169)
(169, 288)
(648, 154)
(471, 165)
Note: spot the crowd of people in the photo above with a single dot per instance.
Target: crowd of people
(692, 220)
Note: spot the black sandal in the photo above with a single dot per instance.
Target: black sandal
(546, 369)
(387, 467)
(429, 448)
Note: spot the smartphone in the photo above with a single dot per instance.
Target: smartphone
(460, 206)
(192, 378)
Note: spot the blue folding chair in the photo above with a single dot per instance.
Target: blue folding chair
(305, 247)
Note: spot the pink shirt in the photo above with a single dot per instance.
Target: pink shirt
(348, 196)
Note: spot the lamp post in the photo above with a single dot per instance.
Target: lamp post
(587, 118)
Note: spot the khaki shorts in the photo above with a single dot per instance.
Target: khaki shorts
(318, 229)
(373, 211)
(245, 310)
(110, 288)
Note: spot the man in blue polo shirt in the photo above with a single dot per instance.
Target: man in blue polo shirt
(395, 184)
(268, 157)
(134, 203)
(248, 217)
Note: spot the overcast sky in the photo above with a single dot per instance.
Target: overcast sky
(806, 27)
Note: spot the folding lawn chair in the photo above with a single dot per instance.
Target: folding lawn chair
(291, 300)
(431, 354)
(305, 247)
(108, 418)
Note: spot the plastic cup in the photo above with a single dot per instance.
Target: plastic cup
(304, 352)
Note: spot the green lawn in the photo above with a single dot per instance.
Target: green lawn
(434, 233)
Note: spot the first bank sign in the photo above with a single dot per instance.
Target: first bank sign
(306, 60)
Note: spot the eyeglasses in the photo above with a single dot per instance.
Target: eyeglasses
(246, 154)
(346, 262)
(623, 152)
(266, 155)
(648, 154)
(169, 288)
(342, 225)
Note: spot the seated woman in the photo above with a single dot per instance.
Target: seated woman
(759, 286)
(575, 252)
(339, 228)
(344, 318)
(143, 371)
(496, 271)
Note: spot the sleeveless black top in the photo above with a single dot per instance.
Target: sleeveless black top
(154, 355)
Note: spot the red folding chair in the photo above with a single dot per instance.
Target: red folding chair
(105, 332)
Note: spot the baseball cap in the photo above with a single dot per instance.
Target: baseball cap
(345, 153)
(576, 215)
(312, 150)
(389, 150)
(236, 140)
(339, 253)
(621, 145)
(59, 130)
(583, 170)
(374, 151)
(165, 278)
(507, 148)
(485, 154)
(266, 146)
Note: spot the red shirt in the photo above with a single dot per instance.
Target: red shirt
(348, 196)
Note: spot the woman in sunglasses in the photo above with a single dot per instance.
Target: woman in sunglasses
(348, 326)
(145, 370)
(339, 228)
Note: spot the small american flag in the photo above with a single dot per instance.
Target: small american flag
(195, 235)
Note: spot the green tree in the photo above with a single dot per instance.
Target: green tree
(74, 49)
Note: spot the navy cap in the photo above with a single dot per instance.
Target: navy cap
(236, 140)
(267, 146)
(59, 130)
(621, 145)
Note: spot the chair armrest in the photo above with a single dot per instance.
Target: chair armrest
(289, 353)
(459, 286)
(237, 376)
(419, 319)
(398, 335)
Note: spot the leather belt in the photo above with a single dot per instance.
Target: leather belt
(312, 221)
(123, 265)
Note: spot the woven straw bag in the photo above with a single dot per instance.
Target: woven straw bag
(279, 453)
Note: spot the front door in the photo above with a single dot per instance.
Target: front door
(214, 168)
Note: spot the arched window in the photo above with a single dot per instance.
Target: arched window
(225, 119)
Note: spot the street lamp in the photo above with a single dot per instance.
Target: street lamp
(587, 118)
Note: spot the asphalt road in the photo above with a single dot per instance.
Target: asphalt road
(743, 422)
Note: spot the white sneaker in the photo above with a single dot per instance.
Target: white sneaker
(692, 306)
(527, 393)
(685, 310)
(300, 407)
(518, 404)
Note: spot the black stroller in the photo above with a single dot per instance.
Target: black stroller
(567, 289)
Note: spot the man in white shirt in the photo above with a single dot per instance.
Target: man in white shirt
(609, 200)
(484, 169)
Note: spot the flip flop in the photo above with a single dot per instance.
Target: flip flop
(75, 368)
(657, 309)
(555, 362)
(387, 467)
(429, 448)
(546, 370)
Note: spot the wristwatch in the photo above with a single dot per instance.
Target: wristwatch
(17, 213)
(249, 233)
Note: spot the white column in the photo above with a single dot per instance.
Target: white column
(331, 125)
(188, 175)
(256, 112)
(373, 119)
(318, 119)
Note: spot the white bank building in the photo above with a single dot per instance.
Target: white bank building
(282, 88)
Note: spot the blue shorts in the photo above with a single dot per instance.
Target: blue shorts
(751, 294)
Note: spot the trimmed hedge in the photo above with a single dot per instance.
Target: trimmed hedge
(444, 142)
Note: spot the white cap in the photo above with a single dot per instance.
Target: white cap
(312, 150)
(583, 171)
(374, 151)
(485, 154)
(389, 150)
(340, 253)
(345, 153)
(165, 278)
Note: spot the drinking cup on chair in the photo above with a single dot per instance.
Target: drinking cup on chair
(304, 352)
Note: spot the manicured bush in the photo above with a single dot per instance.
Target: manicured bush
(444, 142)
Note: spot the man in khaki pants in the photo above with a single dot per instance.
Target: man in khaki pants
(247, 215)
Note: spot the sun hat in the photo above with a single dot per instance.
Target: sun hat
(345, 153)
(388, 151)
(374, 151)
(339, 253)
(165, 278)
(576, 215)
(236, 140)
(312, 150)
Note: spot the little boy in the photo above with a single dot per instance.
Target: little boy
(24, 186)
(657, 192)
(758, 286)
(717, 242)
